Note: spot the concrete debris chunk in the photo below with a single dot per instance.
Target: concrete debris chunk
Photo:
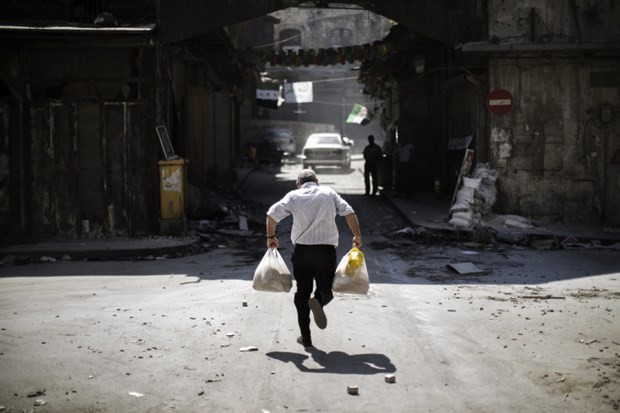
(353, 390)
(390, 378)
(36, 393)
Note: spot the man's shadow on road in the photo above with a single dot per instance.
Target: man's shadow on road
(337, 362)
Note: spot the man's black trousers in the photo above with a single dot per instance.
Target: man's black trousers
(312, 264)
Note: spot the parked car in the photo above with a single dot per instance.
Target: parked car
(327, 149)
(275, 145)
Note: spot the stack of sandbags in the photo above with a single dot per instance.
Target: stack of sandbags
(475, 199)
(486, 191)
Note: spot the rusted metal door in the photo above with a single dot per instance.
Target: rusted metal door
(50, 171)
(87, 161)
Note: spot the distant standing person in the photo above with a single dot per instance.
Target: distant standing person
(372, 155)
(315, 237)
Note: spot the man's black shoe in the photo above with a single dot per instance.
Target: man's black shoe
(319, 315)
(304, 342)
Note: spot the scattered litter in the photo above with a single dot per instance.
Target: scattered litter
(248, 348)
(354, 390)
(469, 252)
(230, 334)
(40, 402)
(588, 342)
(390, 378)
(36, 393)
(47, 259)
(196, 281)
(464, 268)
(245, 304)
(225, 345)
(212, 381)
(542, 297)
(406, 231)
(135, 394)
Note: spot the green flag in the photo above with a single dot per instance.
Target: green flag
(358, 114)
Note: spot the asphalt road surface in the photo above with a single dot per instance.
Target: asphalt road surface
(533, 331)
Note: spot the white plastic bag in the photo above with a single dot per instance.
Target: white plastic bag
(348, 282)
(272, 274)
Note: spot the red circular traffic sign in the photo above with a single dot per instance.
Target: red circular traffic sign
(499, 101)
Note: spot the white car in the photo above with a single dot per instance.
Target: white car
(327, 149)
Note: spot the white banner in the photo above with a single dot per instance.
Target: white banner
(298, 92)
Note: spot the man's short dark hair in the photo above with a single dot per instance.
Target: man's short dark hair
(306, 175)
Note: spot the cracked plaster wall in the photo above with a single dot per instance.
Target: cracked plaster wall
(553, 150)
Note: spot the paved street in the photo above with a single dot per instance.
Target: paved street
(533, 331)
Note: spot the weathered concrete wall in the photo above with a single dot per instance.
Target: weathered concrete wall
(557, 21)
(551, 149)
(555, 150)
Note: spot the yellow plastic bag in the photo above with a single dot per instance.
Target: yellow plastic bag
(355, 260)
(351, 274)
